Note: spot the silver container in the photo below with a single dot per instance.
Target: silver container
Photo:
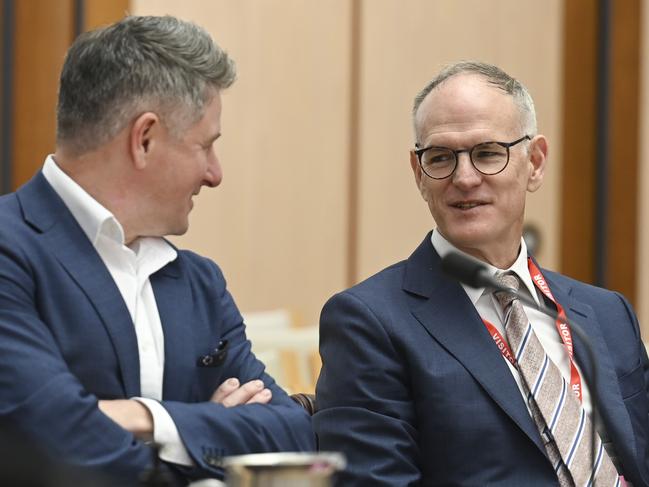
(283, 469)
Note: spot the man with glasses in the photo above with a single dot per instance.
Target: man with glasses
(427, 381)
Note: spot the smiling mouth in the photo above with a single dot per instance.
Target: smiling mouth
(467, 205)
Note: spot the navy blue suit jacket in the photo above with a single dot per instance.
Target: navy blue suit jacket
(67, 340)
(415, 392)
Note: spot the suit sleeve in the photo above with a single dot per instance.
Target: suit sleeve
(365, 406)
(644, 360)
(636, 406)
(211, 431)
(41, 399)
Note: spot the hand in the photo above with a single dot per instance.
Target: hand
(131, 415)
(231, 393)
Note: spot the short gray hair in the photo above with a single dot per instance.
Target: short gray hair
(494, 76)
(138, 64)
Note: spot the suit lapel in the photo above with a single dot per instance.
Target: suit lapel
(450, 318)
(608, 397)
(44, 210)
(173, 298)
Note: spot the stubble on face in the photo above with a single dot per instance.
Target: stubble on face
(185, 163)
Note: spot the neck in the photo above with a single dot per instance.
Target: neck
(501, 256)
(103, 177)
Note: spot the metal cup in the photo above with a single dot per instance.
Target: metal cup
(283, 469)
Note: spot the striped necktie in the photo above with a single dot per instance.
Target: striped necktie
(565, 428)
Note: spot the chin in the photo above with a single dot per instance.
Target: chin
(462, 233)
(179, 230)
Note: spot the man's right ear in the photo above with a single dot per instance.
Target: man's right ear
(142, 137)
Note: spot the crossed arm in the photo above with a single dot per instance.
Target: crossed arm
(50, 338)
(134, 417)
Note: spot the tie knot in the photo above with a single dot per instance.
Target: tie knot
(510, 281)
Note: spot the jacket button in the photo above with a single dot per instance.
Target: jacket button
(213, 460)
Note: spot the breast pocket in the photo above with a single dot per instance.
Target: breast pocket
(209, 369)
(632, 383)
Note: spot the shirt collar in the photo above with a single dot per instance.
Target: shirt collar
(519, 267)
(96, 220)
(93, 218)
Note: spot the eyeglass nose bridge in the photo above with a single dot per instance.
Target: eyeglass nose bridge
(456, 154)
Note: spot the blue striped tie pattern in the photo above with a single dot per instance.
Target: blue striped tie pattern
(564, 426)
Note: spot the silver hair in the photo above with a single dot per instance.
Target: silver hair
(113, 74)
(494, 76)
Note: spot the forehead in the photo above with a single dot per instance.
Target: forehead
(467, 106)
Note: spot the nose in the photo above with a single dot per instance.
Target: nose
(214, 173)
(466, 175)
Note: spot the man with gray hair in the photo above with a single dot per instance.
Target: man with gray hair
(110, 337)
(426, 381)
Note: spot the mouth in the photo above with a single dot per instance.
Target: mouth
(467, 205)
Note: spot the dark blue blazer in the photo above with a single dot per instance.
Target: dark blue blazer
(67, 340)
(415, 392)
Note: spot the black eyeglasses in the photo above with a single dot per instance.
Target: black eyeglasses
(488, 158)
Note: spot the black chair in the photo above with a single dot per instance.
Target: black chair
(307, 401)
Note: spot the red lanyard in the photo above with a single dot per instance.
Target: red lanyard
(562, 328)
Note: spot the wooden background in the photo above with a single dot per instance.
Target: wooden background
(318, 192)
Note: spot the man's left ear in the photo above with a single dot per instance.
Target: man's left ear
(537, 157)
(141, 138)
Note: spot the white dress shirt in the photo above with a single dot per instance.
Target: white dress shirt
(544, 327)
(130, 267)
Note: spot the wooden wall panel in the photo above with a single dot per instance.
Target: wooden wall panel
(277, 224)
(618, 199)
(43, 32)
(579, 129)
(580, 220)
(4, 162)
(622, 225)
(339, 78)
(642, 276)
(403, 45)
(102, 12)
(318, 191)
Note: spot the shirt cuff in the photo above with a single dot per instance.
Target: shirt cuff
(166, 435)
